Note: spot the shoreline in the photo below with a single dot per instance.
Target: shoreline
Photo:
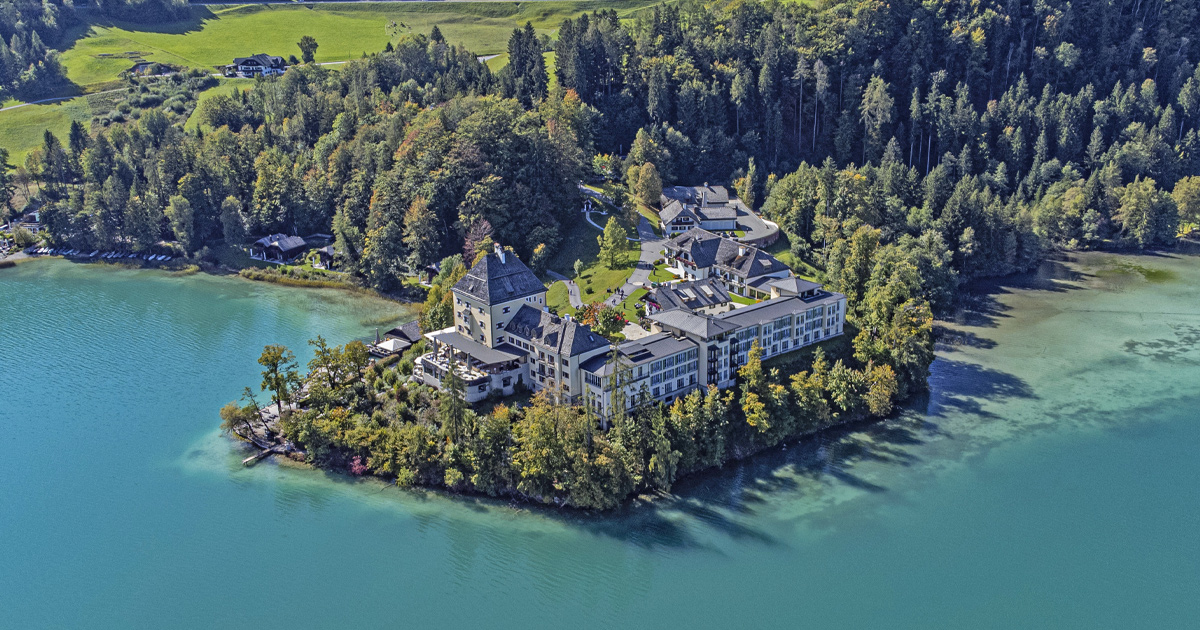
(187, 268)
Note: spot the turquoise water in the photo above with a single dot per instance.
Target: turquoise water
(1049, 480)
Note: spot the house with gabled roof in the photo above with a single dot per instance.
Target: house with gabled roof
(277, 248)
(258, 65)
(706, 207)
(744, 269)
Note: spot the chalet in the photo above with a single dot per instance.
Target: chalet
(706, 207)
(261, 64)
(744, 269)
(277, 248)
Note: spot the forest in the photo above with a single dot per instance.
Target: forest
(32, 32)
(971, 137)
(905, 148)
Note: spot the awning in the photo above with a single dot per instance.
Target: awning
(478, 351)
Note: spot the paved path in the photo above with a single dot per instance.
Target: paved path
(572, 288)
(651, 246)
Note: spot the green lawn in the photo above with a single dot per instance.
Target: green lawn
(737, 299)
(660, 274)
(601, 280)
(558, 299)
(213, 36)
(781, 249)
(499, 61)
(629, 305)
(22, 129)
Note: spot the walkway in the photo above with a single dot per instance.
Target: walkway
(572, 288)
(651, 249)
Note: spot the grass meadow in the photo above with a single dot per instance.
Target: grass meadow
(214, 35)
(22, 129)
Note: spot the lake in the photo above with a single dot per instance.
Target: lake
(1050, 479)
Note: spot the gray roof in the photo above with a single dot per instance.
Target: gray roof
(707, 249)
(773, 309)
(689, 295)
(653, 347)
(701, 246)
(717, 213)
(703, 326)
(262, 59)
(282, 241)
(696, 195)
(644, 350)
(409, 332)
(480, 352)
(673, 209)
(496, 281)
(754, 262)
(559, 335)
(794, 285)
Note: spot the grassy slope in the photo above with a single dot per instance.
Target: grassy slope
(559, 300)
(21, 129)
(215, 35)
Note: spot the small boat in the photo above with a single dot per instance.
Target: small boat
(94, 254)
(167, 257)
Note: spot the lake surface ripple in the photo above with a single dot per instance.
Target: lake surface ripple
(1048, 480)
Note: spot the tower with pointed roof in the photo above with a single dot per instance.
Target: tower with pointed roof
(491, 293)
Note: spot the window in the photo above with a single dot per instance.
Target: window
(499, 326)
(506, 381)
(507, 309)
(483, 388)
(565, 363)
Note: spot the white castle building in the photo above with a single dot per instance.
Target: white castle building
(503, 335)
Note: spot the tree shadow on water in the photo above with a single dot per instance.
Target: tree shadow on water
(981, 303)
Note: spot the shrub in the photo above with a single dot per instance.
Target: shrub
(406, 477)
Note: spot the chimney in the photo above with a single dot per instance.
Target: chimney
(741, 250)
(499, 252)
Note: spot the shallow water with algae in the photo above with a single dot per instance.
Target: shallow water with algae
(1049, 479)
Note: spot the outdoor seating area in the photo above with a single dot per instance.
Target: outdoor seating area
(481, 368)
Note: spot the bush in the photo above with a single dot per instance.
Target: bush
(406, 477)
